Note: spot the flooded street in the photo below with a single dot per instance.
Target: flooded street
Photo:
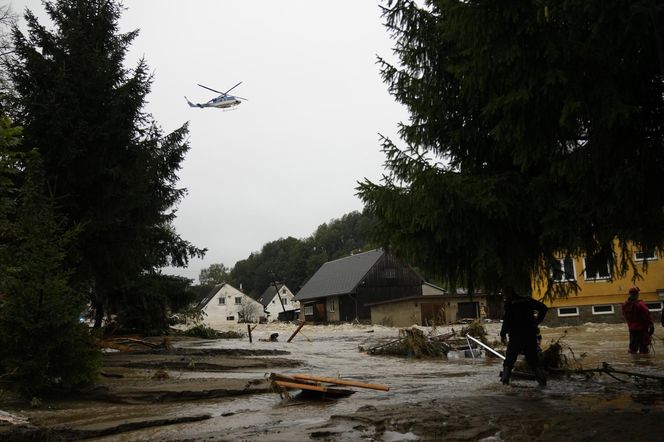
(417, 387)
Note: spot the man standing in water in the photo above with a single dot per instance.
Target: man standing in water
(639, 322)
(522, 316)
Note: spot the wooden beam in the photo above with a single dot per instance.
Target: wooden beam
(297, 330)
(287, 384)
(338, 381)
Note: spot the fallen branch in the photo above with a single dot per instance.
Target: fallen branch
(608, 370)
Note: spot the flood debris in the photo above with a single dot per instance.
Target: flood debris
(413, 342)
(299, 327)
(607, 369)
(133, 343)
(318, 386)
(12, 419)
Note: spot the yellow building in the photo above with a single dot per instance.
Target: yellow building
(600, 294)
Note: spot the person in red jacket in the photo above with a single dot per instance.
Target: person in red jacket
(639, 322)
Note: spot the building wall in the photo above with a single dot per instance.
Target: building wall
(388, 279)
(222, 315)
(604, 292)
(274, 307)
(396, 314)
(332, 307)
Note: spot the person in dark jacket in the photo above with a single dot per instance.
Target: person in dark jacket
(522, 316)
(639, 322)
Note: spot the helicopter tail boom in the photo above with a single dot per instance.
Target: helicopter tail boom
(192, 104)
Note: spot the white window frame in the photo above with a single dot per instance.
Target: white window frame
(605, 312)
(565, 315)
(330, 306)
(230, 318)
(563, 272)
(655, 309)
(222, 300)
(238, 300)
(308, 310)
(596, 277)
(652, 257)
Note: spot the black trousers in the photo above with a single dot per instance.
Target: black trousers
(639, 340)
(525, 343)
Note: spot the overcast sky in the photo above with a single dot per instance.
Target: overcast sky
(289, 158)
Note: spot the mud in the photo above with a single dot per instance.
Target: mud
(217, 391)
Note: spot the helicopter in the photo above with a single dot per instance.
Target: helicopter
(223, 101)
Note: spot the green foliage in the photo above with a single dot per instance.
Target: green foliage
(146, 303)
(215, 274)
(43, 346)
(201, 331)
(111, 168)
(292, 261)
(535, 130)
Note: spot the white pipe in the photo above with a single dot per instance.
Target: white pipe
(472, 352)
(485, 346)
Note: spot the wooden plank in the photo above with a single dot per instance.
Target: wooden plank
(341, 382)
(297, 330)
(301, 386)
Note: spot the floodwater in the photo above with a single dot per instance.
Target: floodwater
(333, 351)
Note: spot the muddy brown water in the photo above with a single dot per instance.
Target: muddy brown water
(414, 384)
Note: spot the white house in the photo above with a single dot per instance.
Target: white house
(273, 305)
(226, 306)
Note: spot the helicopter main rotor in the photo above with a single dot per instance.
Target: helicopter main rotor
(224, 93)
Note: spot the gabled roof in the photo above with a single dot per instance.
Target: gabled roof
(339, 277)
(268, 294)
(203, 302)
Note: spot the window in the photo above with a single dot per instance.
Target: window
(308, 310)
(238, 300)
(603, 310)
(563, 270)
(330, 306)
(284, 301)
(389, 273)
(222, 300)
(654, 306)
(597, 267)
(645, 255)
(568, 311)
(230, 318)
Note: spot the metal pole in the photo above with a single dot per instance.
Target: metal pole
(485, 346)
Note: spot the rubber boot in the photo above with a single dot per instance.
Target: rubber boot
(505, 378)
(540, 375)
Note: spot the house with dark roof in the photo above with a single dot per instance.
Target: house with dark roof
(341, 289)
(278, 300)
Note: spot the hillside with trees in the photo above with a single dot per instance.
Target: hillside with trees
(293, 261)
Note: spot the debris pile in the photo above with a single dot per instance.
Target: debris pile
(412, 342)
(471, 341)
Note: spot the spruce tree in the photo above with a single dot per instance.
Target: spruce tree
(109, 165)
(43, 345)
(535, 131)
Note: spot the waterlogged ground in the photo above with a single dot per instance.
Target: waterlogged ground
(456, 398)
